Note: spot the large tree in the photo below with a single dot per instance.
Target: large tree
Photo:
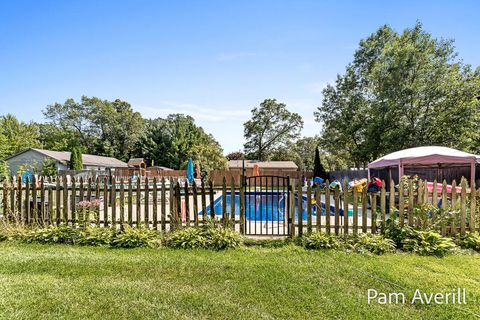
(109, 128)
(170, 142)
(16, 136)
(401, 90)
(271, 127)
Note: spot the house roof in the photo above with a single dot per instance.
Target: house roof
(88, 159)
(136, 162)
(238, 164)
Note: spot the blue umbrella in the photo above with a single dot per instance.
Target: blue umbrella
(190, 170)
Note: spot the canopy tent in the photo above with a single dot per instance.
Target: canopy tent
(427, 162)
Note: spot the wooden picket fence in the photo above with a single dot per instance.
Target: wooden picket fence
(167, 204)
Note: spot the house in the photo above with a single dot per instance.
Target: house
(265, 167)
(35, 157)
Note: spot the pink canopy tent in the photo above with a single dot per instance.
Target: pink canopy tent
(425, 157)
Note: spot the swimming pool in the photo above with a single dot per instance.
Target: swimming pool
(267, 206)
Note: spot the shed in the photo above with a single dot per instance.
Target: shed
(429, 163)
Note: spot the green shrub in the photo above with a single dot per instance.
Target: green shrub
(52, 234)
(189, 238)
(320, 240)
(428, 243)
(396, 233)
(12, 232)
(369, 243)
(95, 236)
(470, 240)
(268, 243)
(209, 236)
(138, 237)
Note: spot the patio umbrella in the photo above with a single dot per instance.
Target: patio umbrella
(256, 171)
(190, 170)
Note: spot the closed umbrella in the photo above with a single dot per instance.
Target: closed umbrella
(190, 170)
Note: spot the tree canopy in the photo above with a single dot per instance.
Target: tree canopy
(401, 90)
(173, 140)
(102, 127)
(271, 128)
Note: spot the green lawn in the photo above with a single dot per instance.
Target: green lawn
(55, 281)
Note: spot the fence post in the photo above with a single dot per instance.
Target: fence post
(242, 207)
(73, 199)
(146, 204)
(300, 207)
(364, 210)
(138, 217)
(130, 203)
(212, 200)
(382, 204)
(473, 204)
(27, 208)
(292, 210)
(155, 202)
(327, 207)
(122, 202)
(463, 202)
(345, 206)
(309, 208)
(410, 203)
(318, 208)
(355, 210)
(444, 204)
(195, 204)
(187, 205)
(401, 204)
(453, 228)
(224, 202)
(232, 202)
(163, 205)
(204, 201)
(434, 198)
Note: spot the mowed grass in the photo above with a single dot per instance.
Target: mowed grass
(55, 281)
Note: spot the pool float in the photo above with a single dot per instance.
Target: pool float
(359, 184)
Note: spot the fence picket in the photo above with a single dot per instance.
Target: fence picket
(242, 208)
(345, 207)
(146, 205)
(130, 202)
(212, 200)
(463, 208)
(163, 205)
(195, 204)
(138, 206)
(155, 203)
(364, 210)
(336, 198)
(122, 202)
(232, 202)
(355, 210)
(410, 203)
(327, 207)
(187, 204)
(309, 209)
(473, 205)
(27, 208)
(453, 227)
(224, 202)
(383, 201)
(204, 201)
(318, 209)
(300, 207)
(41, 216)
(105, 202)
(444, 203)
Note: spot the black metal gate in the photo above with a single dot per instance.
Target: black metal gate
(267, 205)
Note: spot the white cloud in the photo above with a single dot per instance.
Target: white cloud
(197, 112)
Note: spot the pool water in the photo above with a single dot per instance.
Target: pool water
(267, 206)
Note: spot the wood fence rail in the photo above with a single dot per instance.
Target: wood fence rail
(166, 204)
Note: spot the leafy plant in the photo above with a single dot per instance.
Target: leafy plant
(428, 243)
(52, 234)
(209, 236)
(138, 237)
(95, 236)
(370, 243)
(395, 232)
(320, 240)
(470, 240)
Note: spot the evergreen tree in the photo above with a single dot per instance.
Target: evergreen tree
(318, 169)
(76, 162)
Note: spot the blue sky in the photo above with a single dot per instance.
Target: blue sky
(214, 60)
